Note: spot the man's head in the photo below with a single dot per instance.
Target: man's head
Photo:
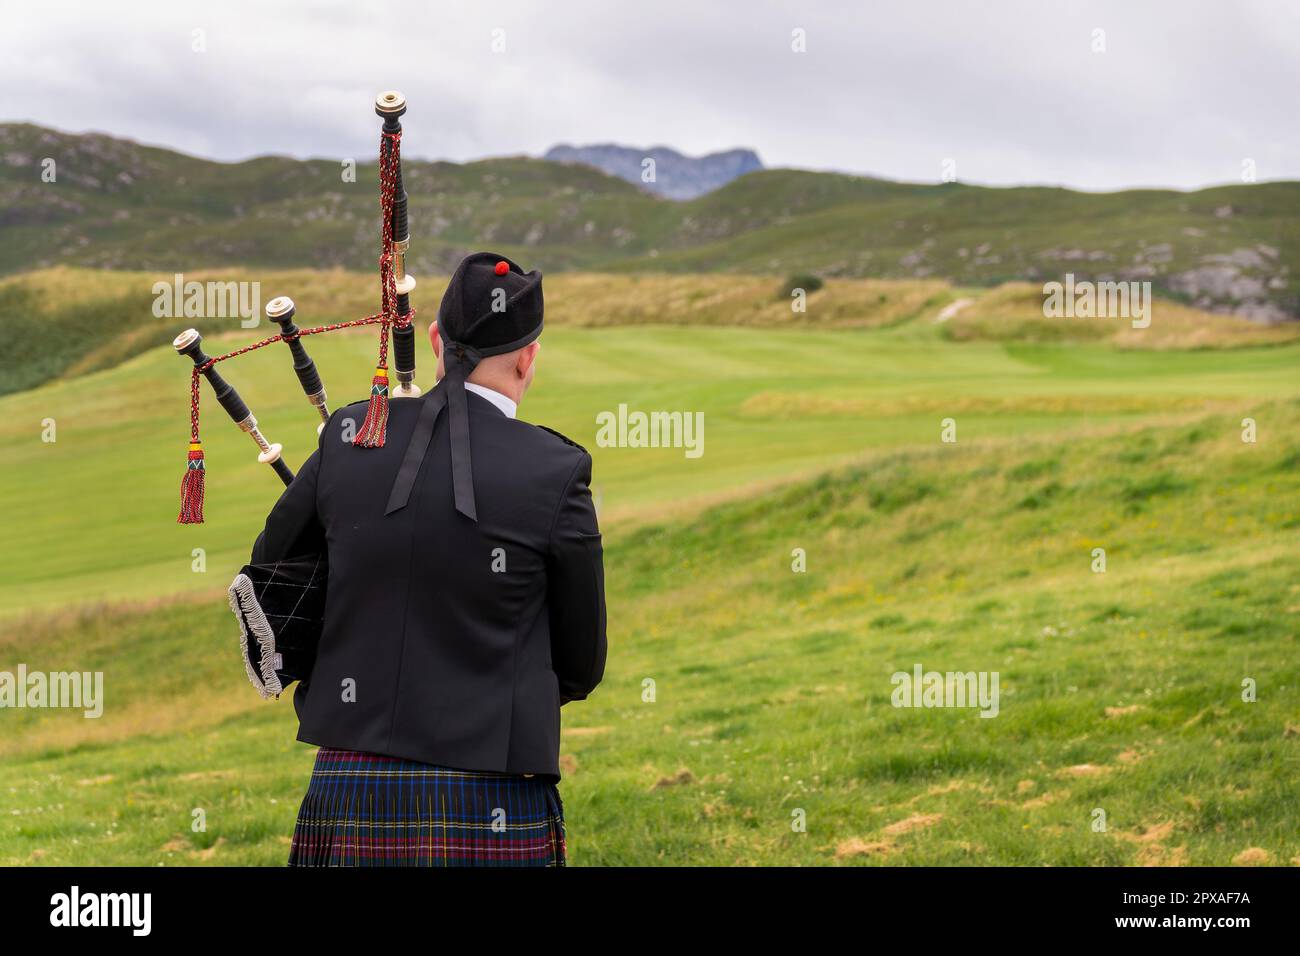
(510, 373)
(494, 309)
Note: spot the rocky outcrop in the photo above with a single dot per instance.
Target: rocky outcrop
(661, 170)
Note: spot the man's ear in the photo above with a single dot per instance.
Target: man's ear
(527, 356)
(435, 339)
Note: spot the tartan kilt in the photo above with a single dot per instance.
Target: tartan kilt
(364, 809)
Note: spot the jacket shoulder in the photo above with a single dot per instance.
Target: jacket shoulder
(539, 456)
(564, 438)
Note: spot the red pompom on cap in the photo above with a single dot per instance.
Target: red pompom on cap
(502, 267)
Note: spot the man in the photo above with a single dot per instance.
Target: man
(465, 604)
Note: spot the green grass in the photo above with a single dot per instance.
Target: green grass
(772, 689)
(65, 322)
(778, 404)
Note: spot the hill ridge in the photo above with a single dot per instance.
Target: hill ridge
(117, 204)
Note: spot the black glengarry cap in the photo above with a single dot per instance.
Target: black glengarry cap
(491, 305)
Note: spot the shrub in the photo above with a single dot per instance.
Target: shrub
(809, 283)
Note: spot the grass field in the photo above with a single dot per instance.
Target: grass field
(65, 322)
(1121, 691)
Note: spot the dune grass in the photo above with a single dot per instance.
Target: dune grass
(64, 322)
(1013, 312)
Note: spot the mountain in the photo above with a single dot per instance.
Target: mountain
(120, 205)
(672, 175)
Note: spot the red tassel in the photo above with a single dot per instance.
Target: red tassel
(375, 428)
(192, 488)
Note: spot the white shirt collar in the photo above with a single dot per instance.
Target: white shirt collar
(503, 402)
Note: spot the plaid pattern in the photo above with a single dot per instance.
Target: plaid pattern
(364, 809)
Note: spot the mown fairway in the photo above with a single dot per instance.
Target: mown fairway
(1120, 691)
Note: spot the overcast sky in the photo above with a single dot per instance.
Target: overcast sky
(1012, 92)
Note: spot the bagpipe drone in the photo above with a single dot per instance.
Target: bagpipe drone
(394, 316)
(280, 607)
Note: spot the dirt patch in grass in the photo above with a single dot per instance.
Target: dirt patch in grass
(918, 821)
(586, 731)
(680, 778)
(857, 847)
(1253, 856)
(1083, 770)
(1123, 711)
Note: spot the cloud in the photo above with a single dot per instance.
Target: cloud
(1012, 92)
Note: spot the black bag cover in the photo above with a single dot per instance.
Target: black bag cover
(280, 608)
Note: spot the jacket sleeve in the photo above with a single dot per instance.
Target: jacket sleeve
(293, 527)
(576, 589)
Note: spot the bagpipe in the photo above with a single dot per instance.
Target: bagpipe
(395, 316)
(280, 607)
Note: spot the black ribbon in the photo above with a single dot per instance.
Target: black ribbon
(459, 361)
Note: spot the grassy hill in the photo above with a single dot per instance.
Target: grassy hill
(119, 205)
(1121, 691)
(780, 402)
(64, 322)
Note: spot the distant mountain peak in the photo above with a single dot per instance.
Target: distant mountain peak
(675, 176)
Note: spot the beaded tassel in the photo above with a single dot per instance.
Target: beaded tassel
(192, 487)
(375, 428)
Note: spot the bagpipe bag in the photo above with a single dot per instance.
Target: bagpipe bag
(280, 608)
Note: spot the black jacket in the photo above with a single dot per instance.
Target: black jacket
(445, 640)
